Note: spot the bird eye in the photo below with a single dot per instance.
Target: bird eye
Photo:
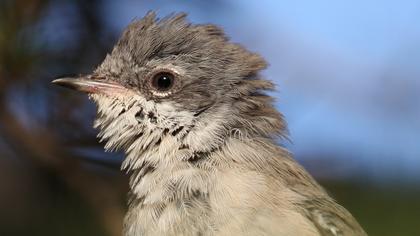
(163, 81)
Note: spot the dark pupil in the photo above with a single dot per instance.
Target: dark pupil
(163, 81)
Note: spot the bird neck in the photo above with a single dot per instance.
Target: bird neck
(174, 164)
(165, 173)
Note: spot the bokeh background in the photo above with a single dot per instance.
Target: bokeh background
(348, 82)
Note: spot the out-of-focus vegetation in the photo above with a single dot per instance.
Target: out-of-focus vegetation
(54, 177)
(47, 187)
(381, 211)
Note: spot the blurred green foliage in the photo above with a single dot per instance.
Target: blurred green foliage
(387, 211)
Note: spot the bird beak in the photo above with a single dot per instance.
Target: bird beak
(89, 84)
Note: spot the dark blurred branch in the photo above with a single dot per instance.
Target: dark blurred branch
(43, 149)
(18, 57)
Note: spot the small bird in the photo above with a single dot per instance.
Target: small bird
(189, 109)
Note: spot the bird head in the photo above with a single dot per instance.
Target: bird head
(172, 86)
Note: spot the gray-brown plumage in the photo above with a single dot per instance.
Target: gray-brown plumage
(189, 110)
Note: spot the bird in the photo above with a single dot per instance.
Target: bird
(200, 133)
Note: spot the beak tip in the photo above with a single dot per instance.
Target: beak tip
(71, 83)
(57, 81)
